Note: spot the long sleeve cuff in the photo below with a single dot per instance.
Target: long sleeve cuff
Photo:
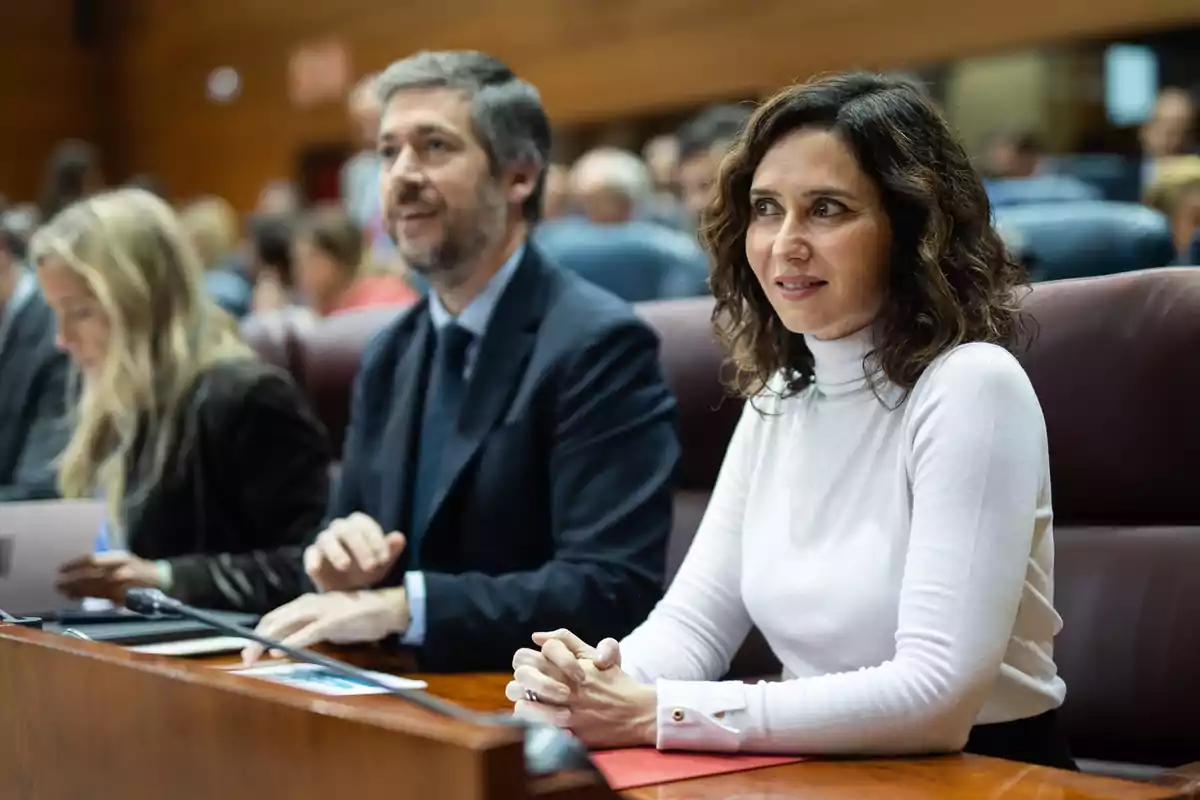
(694, 715)
(414, 588)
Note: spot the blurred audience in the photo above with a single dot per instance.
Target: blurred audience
(212, 226)
(703, 142)
(33, 392)
(279, 198)
(72, 173)
(270, 243)
(1013, 154)
(328, 255)
(661, 155)
(611, 245)
(214, 469)
(360, 173)
(556, 193)
(1175, 191)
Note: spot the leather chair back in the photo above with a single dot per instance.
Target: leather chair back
(1040, 189)
(1118, 178)
(331, 354)
(1076, 240)
(1114, 365)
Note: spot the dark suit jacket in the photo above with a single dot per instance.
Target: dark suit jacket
(241, 494)
(33, 400)
(556, 498)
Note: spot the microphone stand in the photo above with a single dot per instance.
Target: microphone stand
(548, 749)
(25, 622)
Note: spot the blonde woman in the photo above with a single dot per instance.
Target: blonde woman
(215, 470)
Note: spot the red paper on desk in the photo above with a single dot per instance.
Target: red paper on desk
(632, 767)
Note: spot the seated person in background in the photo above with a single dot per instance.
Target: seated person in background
(211, 225)
(270, 241)
(1013, 154)
(33, 372)
(328, 253)
(512, 435)
(215, 471)
(703, 141)
(1175, 191)
(883, 511)
(610, 246)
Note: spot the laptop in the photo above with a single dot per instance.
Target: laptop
(35, 538)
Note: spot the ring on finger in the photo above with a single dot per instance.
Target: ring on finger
(532, 696)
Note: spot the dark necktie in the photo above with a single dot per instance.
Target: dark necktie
(446, 386)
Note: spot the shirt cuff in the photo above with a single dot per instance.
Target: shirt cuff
(414, 588)
(166, 575)
(696, 715)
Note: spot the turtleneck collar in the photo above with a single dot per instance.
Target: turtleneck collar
(838, 363)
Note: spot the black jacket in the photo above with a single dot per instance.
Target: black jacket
(556, 493)
(33, 400)
(243, 491)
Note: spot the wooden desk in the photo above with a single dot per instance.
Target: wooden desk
(937, 778)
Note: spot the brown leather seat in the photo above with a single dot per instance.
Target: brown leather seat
(1115, 365)
(322, 355)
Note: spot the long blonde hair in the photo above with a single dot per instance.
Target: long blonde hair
(129, 249)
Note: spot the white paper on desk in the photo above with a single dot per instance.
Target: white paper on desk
(325, 681)
(193, 647)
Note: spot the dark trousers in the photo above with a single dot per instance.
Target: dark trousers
(1034, 740)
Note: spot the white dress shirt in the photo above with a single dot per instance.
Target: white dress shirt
(895, 552)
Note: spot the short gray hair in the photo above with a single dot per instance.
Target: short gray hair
(616, 170)
(506, 112)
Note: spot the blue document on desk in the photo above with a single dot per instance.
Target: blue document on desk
(323, 680)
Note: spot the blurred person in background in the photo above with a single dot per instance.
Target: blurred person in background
(1175, 191)
(330, 275)
(661, 155)
(214, 469)
(270, 262)
(612, 245)
(149, 183)
(360, 173)
(1012, 154)
(72, 173)
(279, 198)
(211, 225)
(1170, 131)
(703, 142)
(556, 195)
(33, 371)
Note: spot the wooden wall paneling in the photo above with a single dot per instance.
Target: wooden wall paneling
(591, 59)
(46, 91)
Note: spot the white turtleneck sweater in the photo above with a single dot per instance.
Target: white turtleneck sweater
(898, 560)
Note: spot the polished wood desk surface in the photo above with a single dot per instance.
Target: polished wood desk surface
(935, 778)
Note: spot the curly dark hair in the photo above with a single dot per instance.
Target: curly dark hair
(950, 279)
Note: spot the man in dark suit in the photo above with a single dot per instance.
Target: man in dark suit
(33, 391)
(513, 431)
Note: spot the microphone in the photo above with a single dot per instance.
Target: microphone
(548, 749)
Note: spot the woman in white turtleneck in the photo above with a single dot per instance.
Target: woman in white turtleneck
(883, 510)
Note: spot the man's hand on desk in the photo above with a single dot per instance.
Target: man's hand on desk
(352, 553)
(336, 617)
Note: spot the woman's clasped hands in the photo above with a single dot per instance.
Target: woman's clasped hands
(583, 689)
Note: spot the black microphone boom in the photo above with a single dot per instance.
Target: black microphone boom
(548, 749)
